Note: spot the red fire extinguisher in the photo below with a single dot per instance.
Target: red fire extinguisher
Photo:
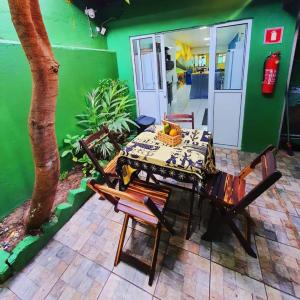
(270, 73)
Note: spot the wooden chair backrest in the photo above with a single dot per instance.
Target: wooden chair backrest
(181, 118)
(269, 176)
(88, 143)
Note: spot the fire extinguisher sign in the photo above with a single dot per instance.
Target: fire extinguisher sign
(273, 35)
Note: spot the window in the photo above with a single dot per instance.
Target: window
(230, 57)
(221, 58)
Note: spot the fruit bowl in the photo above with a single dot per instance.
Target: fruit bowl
(170, 134)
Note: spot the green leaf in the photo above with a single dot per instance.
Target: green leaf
(66, 152)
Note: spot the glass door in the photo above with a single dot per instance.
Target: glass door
(228, 75)
(148, 64)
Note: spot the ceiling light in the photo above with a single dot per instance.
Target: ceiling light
(206, 39)
(203, 27)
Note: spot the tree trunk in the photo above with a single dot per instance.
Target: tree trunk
(28, 22)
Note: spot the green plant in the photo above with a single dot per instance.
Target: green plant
(88, 167)
(105, 149)
(107, 105)
(72, 146)
(90, 120)
(63, 175)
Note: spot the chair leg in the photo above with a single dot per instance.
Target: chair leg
(122, 239)
(189, 229)
(200, 205)
(134, 223)
(245, 243)
(211, 227)
(154, 179)
(155, 252)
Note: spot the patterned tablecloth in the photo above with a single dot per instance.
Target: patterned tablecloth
(188, 162)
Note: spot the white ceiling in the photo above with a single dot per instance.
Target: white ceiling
(192, 37)
(196, 37)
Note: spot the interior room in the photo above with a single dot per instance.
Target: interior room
(187, 81)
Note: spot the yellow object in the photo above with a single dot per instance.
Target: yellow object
(183, 51)
(127, 171)
(167, 128)
(173, 132)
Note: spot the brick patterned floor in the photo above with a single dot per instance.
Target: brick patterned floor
(78, 262)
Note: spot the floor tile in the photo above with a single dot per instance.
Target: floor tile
(38, 278)
(194, 243)
(77, 231)
(227, 284)
(101, 246)
(184, 276)
(276, 226)
(274, 294)
(97, 207)
(83, 279)
(7, 294)
(273, 199)
(280, 265)
(117, 288)
(140, 246)
(229, 253)
(78, 262)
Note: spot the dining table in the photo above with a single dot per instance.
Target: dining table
(191, 161)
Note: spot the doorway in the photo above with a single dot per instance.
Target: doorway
(201, 70)
(187, 81)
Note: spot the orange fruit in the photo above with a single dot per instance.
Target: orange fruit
(173, 132)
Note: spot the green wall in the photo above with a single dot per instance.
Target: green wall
(83, 61)
(262, 115)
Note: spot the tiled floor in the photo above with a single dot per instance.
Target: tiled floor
(78, 262)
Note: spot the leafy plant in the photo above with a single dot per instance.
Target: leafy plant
(91, 120)
(105, 149)
(72, 146)
(88, 167)
(107, 105)
(63, 175)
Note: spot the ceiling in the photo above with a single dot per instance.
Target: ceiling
(192, 37)
(197, 37)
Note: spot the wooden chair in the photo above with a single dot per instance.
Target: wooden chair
(142, 202)
(181, 118)
(88, 145)
(228, 197)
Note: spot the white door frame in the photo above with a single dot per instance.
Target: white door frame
(163, 92)
(212, 67)
(163, 73)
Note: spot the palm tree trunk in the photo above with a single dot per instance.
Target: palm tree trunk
(28, 22)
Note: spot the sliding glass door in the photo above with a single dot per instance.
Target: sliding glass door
(228, 77)
(148, 58)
